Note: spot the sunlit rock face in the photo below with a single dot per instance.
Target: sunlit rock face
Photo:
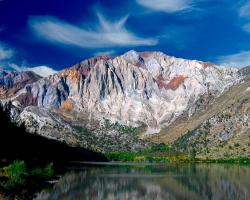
(12, 82)
(148, 88)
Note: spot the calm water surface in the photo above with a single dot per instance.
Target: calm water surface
(153, 182)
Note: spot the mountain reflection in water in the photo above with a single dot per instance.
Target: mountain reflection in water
(154, 182)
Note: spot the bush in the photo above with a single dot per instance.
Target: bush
(236, 145)
(16, 174)
(139, 159)
(121, 156)
(129, 130)
(46, 172)
(159, 148)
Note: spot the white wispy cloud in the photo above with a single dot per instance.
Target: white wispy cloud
(5, 52)
(7, 62)
(99, 53)
(241, 59)
(43, 71)
(168, 6)
(107, 34)
(244, 10)
(246, 27)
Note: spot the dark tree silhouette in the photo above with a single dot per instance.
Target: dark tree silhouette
(16, 143)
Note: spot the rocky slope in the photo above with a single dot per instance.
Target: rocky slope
(147, 90)
(223, 130)
(12, 82)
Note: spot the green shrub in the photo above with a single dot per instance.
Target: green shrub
(160, 148)
(193, 154)
(49, 170)
(236, 144)
(129, 130)
(121, 156)
(46, 172)
(16, 174)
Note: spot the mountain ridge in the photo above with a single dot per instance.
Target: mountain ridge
(145, 82)
(147, 90)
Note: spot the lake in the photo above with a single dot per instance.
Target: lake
(152, 182)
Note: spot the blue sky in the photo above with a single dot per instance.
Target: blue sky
(54, 34)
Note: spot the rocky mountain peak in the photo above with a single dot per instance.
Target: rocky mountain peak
(136, 88)
(12, 82)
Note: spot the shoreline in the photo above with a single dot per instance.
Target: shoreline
(79, 165)
(147, 163)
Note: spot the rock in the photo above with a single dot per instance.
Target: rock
(148, 89)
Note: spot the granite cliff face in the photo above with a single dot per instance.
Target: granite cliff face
(12, 82)
(149, 90)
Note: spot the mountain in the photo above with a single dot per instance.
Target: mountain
(222, 130)
(17, 144)
(108, 103)
(12, 82)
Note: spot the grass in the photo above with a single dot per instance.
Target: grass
(16, 175)
(156, 153)
(163, 153)
(140, 157)
(17, 178)
(144, 157)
